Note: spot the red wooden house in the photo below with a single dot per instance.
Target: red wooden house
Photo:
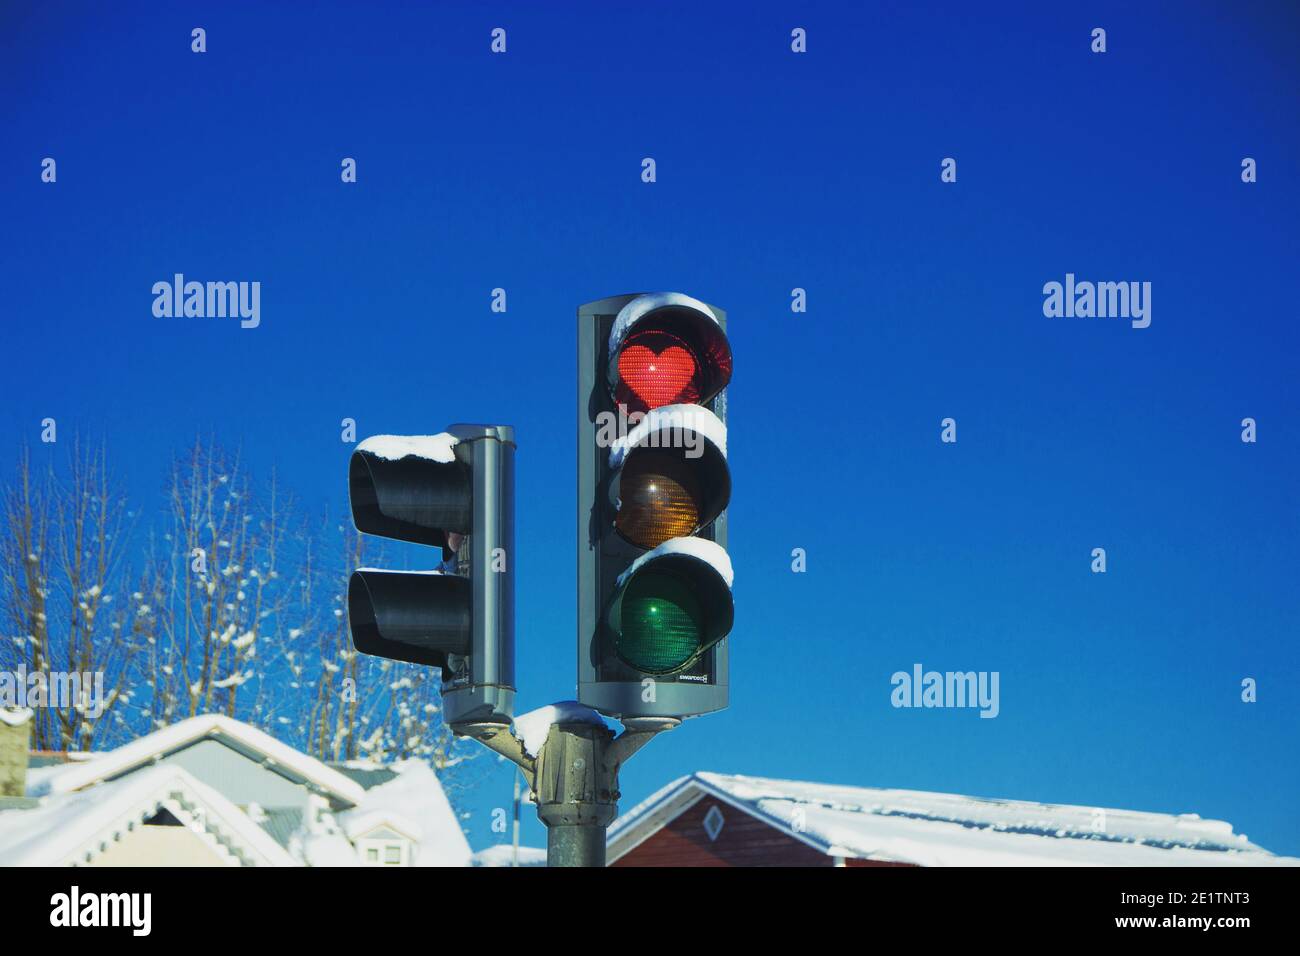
(710, 819)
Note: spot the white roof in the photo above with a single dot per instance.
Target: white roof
(413, 803)
(66, 827)
(503, 854)
(144, 750)
(941, 829)
(330, 848)
(357, 823)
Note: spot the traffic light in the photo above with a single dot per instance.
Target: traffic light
(654, 579)
(454, 491)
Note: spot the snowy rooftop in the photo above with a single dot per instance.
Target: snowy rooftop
(66, 778)
(413, 801)
(503, 854)
(941, 829)
(111, 792)
(60, 830)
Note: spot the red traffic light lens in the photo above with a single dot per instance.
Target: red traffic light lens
(656, 369)
(667, 354)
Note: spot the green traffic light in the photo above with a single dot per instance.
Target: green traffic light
(662, 624)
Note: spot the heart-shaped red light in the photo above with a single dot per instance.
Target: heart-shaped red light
(658, 378)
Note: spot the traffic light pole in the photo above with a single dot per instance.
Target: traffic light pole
(574, 779)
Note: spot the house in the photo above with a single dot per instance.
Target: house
(213, 791)
(713, 819)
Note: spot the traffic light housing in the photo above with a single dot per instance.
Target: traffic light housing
(454, 491)
(654, 579)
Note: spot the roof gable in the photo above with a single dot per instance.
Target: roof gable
(74, 828)
(254, 744)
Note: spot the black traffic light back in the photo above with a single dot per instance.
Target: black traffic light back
(654, 580)
(454, 491)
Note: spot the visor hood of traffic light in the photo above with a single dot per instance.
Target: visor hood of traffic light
(413, 616)
(669, 475)
(671, 606)
(666, 348)
(410, 498)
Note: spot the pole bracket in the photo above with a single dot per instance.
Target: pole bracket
(501, 739)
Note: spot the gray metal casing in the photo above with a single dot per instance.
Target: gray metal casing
(485, 690)
(603, 682)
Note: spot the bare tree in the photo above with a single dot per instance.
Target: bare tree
(227, 607)
(218, 591)
(62, 584)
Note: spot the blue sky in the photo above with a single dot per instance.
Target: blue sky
(775, 170)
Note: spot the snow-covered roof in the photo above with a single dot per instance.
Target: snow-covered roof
(357, 823)
(533, 727)
(941, 829)
(70, 828)
(329, 848)
(503, 854)
(111, 764)
(413, 801)
(702, 549)
(440, 447)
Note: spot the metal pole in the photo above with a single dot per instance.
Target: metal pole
(575, 845)
(574, 779)
(515, 857)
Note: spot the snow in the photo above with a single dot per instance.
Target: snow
(695, 418)
(440, 447)
(644, 304)
(939, 829)
(323, 849)
(704, 550)
(391, 571)
(357, 823)
(182, 734)
(15, 718)
(77, 805)
(65, 826)
(413, 800)
(503, 854)
(533, 726)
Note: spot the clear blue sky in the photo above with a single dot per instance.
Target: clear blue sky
(775, 170)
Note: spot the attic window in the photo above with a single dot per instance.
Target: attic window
(163, 818)
(713, 821)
